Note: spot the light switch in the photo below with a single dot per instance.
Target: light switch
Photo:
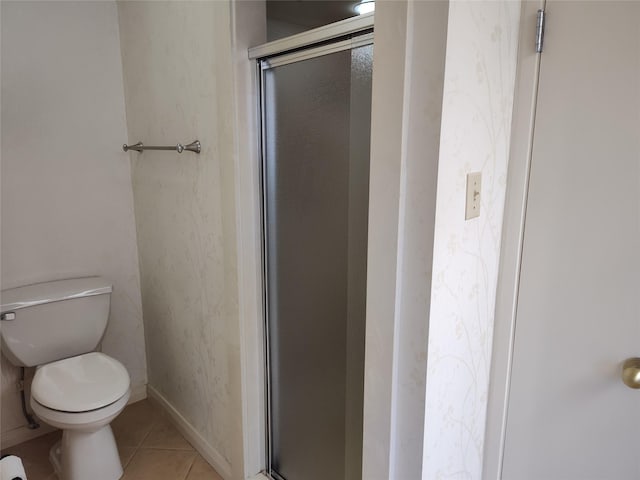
(474, 181)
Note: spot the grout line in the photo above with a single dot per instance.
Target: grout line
(145, 438)
(154, 422)
(139, 446)
(193, 462)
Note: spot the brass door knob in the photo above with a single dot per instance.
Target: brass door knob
(631, 372)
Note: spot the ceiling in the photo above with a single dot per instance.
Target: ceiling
(310, 13)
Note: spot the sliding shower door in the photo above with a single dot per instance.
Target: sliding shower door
(316, 131)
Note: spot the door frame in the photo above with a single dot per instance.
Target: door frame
(251, 284)
(329, 44)
(523, 128)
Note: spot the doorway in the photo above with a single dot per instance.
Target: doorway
(316, 115)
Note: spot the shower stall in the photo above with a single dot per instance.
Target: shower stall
(315, 103)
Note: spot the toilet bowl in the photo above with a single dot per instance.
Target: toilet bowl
(56, 327)
(81, 395)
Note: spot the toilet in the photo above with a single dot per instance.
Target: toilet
(56, 327)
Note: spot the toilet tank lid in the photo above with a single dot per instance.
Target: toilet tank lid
(56, 291)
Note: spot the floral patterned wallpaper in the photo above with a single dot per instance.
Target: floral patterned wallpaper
(476, 122)
(177, 62)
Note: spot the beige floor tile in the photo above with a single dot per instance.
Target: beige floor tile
(165, 435)
(126, 454)
(133, 425)
(35, 455)
(153, 464)
(165, 455)
(201, 470)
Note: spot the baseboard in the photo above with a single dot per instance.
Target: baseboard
(24, 434)
(138, 392)
(209, 453)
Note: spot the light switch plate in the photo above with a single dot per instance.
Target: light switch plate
(474, 182)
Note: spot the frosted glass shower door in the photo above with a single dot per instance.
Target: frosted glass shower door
(316, 132)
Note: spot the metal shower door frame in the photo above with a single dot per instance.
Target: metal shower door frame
(336, 37)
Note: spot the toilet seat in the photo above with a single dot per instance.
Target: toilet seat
(80, 420)
(80, 384)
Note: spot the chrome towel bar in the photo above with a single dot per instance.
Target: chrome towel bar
(139, 147)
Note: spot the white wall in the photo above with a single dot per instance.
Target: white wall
(67, 206)
(408, 76)
(426, 46)
(178, 61)
(476, 122)
(384, 198)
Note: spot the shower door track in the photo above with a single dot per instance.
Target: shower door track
(339, 36)
(358, 40)
(326, 33)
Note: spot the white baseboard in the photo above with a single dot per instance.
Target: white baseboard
(194, 437)
(138, 392)
(24, 434)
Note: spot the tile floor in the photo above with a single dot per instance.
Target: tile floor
(150, 448)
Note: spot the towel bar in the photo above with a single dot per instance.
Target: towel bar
(139, 147)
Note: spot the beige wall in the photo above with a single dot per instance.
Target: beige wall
(178, 75)
(179, 85)
(67, 206)
(478, 96)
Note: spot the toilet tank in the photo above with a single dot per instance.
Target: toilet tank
(50, 321)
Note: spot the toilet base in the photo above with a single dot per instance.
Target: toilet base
(55, 459)
(86, 455)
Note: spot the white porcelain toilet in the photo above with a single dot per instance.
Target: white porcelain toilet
(56, 326)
